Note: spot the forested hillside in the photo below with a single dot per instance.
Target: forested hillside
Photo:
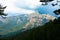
(49, 31)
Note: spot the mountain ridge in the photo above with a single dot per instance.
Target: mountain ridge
(26, 21)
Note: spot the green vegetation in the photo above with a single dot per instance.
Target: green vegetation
(49, 31)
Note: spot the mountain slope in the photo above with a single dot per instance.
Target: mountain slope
(49, 31)
(24, 21)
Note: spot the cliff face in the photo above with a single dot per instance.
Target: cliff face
(36, 19)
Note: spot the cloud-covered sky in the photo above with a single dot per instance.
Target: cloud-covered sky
(20, 6)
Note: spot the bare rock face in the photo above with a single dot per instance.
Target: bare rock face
(37, 19)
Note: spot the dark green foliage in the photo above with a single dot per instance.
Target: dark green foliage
(49, 31)
(2, 10)
(57, 12)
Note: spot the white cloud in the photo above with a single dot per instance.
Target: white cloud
(28, 3)
(14, 6)
(14, 10)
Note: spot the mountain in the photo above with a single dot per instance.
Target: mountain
(23, 22)
(36, 19)
(49, 31)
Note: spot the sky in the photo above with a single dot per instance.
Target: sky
(16, 7)
(20, 6)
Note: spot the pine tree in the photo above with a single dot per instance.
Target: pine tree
(2, 10)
